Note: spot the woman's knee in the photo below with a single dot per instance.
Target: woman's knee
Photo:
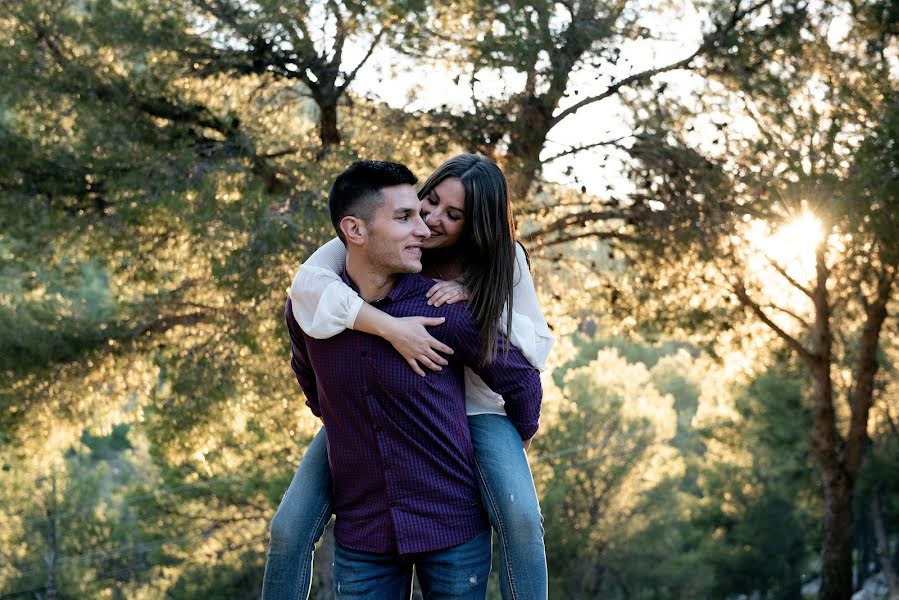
(282, 528)
(521, 520)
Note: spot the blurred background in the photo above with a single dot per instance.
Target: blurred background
(709, 191)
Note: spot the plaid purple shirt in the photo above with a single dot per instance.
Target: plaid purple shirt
(398, 444)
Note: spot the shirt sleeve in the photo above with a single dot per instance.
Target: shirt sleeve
(510, 374)
(299, 361)
(323, 305)
(529, 333)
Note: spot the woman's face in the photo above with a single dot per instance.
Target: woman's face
(444, 213)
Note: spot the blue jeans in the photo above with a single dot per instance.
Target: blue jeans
(455, 573)
(507, 489)
(299, 522)
(508, 493)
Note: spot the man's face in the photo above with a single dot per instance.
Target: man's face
(396, 232)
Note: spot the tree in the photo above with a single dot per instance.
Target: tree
(816, 135)
(147, 238)
(540, 49)
(302, 41)
(597, 467)
(756, 486)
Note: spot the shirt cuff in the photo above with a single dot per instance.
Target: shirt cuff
(355, 306)
(527, 430)
(314, 408)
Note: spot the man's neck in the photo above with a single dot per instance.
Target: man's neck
(373, 284)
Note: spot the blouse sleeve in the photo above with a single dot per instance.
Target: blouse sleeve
(323, 304)
(530, 333)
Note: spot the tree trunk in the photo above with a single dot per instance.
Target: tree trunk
(327, 126)
(836, 542)
(790, 588)
(52, 554)
(839, 482)
(864, 548)
(883, 548)
(522, 164)
(895, 557)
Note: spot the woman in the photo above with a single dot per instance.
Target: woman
(473, 255)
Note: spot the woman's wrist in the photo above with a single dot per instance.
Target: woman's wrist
(388, 327)
(376, 322)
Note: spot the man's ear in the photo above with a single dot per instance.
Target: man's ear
(354, 230)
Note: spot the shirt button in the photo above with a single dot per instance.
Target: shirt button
(392, 504)
(378, 428)
(363, 354)
(387, 467)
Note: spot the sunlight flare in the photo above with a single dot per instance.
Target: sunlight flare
(792, 247)
(780, 264)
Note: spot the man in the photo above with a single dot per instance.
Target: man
(399, 449)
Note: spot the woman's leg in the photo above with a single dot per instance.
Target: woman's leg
(299, 522)
(508, 491)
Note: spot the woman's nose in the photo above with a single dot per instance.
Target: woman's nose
(430, 218)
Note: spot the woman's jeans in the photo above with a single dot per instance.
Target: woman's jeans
(299, 522)
(508, 493)
(507, 488)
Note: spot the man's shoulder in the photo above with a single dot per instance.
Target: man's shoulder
(293, 326)
(417, 283)
(415, 287)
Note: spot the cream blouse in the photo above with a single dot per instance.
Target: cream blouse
(324, 306)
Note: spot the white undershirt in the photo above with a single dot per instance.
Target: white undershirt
(324, 305)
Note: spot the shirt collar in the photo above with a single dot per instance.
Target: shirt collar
(401, 288)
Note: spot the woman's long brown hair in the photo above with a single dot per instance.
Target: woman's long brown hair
(487, 243)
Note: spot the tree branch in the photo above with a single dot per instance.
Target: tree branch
(339, 36)
(866, 371)
(739, 290)
(786, 311)
(785, 275)
(602, 235)
(708, 42)
(279, 153)
(352, 75)
(579, 218)
(613, 143)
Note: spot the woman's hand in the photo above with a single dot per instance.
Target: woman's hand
(410, 338)
(446, 292)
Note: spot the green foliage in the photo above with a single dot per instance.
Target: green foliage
(163, 171)
(601, 470)
(760, 508)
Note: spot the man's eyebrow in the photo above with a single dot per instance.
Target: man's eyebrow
(403, 211)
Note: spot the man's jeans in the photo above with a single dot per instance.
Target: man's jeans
(506, 487)
(455, 573)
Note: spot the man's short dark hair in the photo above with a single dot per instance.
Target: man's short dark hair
(357, 191)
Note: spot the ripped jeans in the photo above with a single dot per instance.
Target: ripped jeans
(507, 490)
(456, 573)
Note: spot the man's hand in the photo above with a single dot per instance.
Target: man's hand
(526, 444)
(446, 292)
(410, 338)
